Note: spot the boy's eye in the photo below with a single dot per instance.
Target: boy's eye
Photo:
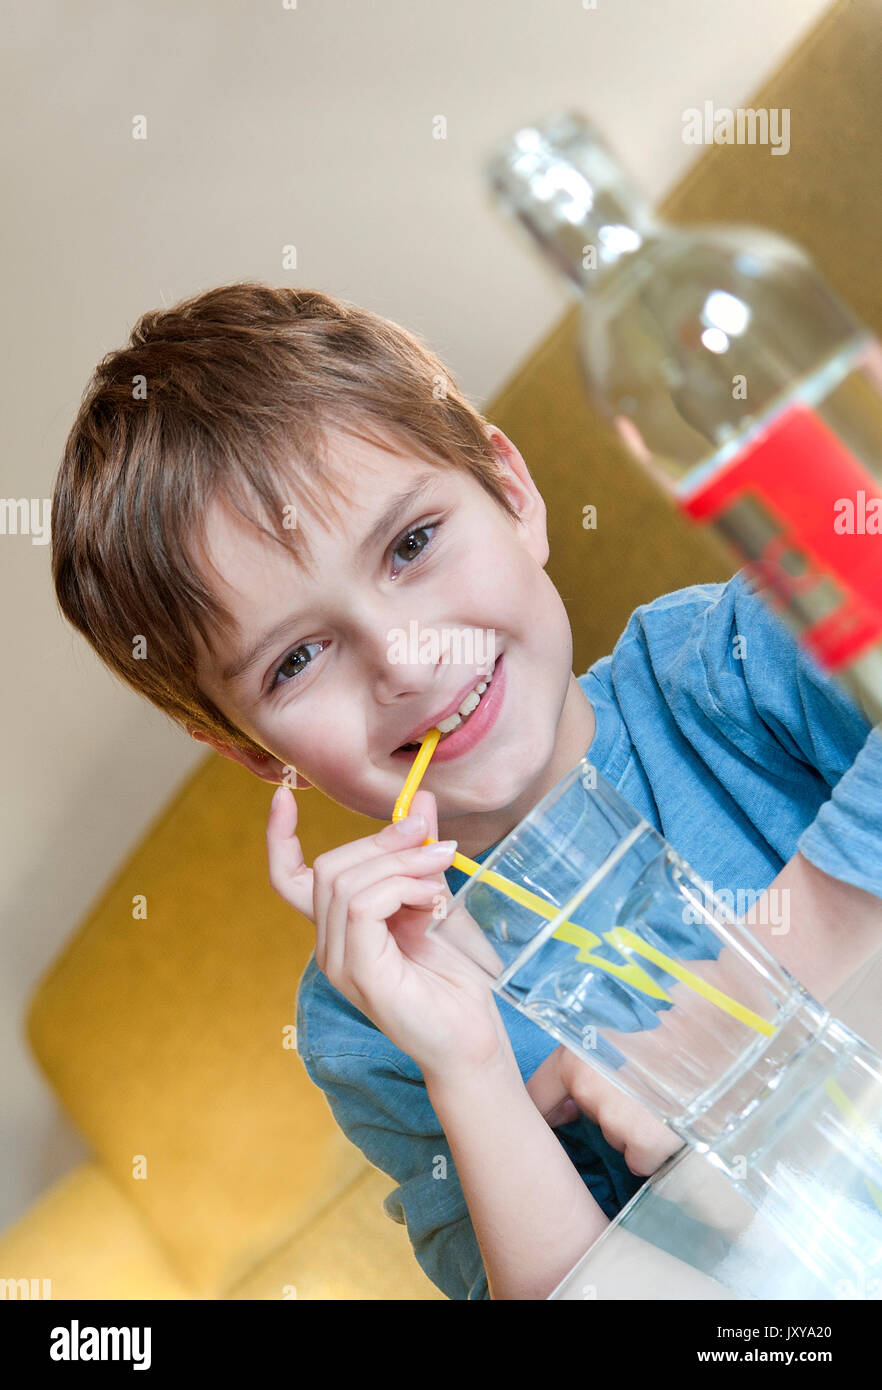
(280, 676)
(291, 660)
(414, 531)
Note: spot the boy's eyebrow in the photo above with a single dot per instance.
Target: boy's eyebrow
(402, 502)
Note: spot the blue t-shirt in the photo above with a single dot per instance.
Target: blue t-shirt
(739, 753)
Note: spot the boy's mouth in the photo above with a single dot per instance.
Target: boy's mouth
(476, 714)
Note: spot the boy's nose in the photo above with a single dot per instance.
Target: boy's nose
(397, 672)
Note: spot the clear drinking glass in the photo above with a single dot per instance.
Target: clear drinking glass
(587, 921)
(636, 967)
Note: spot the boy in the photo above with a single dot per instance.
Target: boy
(269, 633)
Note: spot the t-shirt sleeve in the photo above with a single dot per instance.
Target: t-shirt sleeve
(381, 1104)
(774, 692)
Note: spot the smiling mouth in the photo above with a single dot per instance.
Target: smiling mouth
(412, 747)
(461, 719)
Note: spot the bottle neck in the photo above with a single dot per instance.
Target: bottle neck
(566, 188)
(593, 252)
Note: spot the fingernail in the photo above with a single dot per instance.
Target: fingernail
(278, 794)
(410, 824)
(440, 847)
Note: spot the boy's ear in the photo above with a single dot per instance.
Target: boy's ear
(263, 765)
(524, 495)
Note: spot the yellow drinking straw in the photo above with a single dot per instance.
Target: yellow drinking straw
(570, 931)
(428, 744)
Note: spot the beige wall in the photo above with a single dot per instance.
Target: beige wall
(266, 126)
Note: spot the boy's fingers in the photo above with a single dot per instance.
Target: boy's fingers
(423, 804)
(289, 874)
(355, 860)
(347, 856)
(563, 1077)
(595, 1094)
(356, 931)
(563, 1114)
(296, 882)
(626, 1124)
(548, 1088)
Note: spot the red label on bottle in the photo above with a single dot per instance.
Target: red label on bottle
(803, 476)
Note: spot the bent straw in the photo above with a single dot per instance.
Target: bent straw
(571, 931)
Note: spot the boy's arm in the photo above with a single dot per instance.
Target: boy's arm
(533, 1216)
(746, 693)
(382, 1102)
(776, 698)
(831, 889)
(820, 928)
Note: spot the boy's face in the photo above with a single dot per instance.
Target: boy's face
(337, 690)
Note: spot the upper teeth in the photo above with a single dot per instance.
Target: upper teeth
(471, 702)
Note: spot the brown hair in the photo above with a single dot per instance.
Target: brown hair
(224, 395)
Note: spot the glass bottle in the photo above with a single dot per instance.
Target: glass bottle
(734, 375)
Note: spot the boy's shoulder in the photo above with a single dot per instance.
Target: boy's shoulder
(685, 627)
(672, 611)
(721, 654)
(717, 623)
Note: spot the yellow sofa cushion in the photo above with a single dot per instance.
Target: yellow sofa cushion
(86, 1239)
(83, 1239)
(165, 1036)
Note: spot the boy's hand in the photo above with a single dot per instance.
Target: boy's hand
(564, 1085)
(371, 902)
